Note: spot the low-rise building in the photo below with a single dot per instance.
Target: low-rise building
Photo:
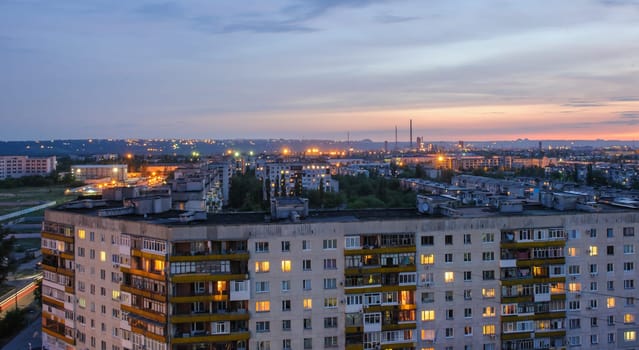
(19, 166)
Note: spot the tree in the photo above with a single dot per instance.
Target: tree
(419, 171)
(7, 264)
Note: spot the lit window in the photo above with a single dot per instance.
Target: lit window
(102, 255)
(286, 266)
(262, 266)
(610, 302)
(81, 234)
(593, 250)
(330, 303)
(262, 306)
(428, 315)
(308, 304)
(428, 334)
(488, 329)
(572, 251)
(574, 287)
(158, 265)
(488, 292)
(628, 318)
(449, 276)
(489, 311)
(428, 259)
(630, 335)
(115, 295)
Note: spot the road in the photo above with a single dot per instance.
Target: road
(30, 335)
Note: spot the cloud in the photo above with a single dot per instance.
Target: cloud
(583, 104)
(625, 99)
(267, 27)
(624, 118)
(389, 18)
(619, 2)
(309, 9)
(629, 115)
(164, 10)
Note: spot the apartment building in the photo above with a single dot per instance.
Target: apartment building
(287, 179)
(19, 166)
(88, 172)
(145, 277)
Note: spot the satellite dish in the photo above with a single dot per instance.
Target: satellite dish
(423, 207)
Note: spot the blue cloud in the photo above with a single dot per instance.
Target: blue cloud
(388, 18)
(165, 10)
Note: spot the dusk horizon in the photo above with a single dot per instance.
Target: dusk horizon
(319, 69)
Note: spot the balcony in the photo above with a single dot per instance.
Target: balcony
(203, 337)
(155, 295)
(149, 314)
(155, 275)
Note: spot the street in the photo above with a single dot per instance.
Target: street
(31, 335)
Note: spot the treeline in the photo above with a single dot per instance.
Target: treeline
(39, 181)
(355, 192)
(360, 192)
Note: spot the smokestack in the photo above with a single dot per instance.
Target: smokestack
(396, 137)
(411, 134)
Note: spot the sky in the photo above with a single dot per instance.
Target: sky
(319, 69)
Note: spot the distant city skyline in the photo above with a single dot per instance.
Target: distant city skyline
(317, 69)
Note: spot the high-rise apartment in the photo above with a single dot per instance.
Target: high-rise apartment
(139, 277)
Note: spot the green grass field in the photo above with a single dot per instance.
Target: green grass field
(23, 244)
(15, 199)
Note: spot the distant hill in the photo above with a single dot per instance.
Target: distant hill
(217, 147)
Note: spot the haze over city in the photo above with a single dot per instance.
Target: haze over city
(489, 70)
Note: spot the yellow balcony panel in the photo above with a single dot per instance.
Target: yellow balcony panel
(219, 338)
(70, 290)
(533, 280)
(558, 297)
(59, 336)
(382, 308)
(355, 347)
(379, 269)
(143, 273)
(49, 268)
(155, 316)
(385, 250)
(354, 329)
(66, 272)
(192, 298)
(47, 251)
(148, 334)
(50, 316)
(144, 293)
(520, 335)
(67, 256)
(376, 289)
(541, 262)
(147, 255)
(536, 244)
(399, 326)
(517, 299)
(544, 316)
(398, 346)
(231, 316)
(57, 237)
(205, 277)
(53, 302)
(555, 334)
(210, 257)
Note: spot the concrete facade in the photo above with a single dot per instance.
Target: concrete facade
(346, 280)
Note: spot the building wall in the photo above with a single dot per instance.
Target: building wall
(19, 166)
(455, 297)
